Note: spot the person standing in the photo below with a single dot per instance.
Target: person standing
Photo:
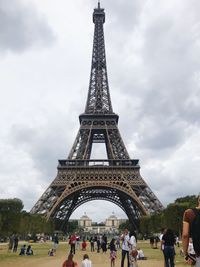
(56, 242)
(16, 241)
(191, 224)
(72, 242)
(92, 244)
(10, 244)
(104, 243)
(86, 261)
(125, 247)
(113, 253)
(77, 242)
(169, 242)
(98, 244)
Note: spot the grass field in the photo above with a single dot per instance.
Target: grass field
(41, 259)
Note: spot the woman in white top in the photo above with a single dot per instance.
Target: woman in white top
(125, 247)
(86, 262)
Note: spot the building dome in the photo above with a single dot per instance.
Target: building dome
(85, 217)
(112, 217)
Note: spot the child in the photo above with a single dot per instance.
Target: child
(133, 258)
(84, 245)
(113, 253)
(51, 252)
(140, 255)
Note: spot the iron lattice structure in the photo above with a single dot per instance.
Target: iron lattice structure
(80, 179)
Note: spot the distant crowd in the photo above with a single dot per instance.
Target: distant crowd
(127, 244)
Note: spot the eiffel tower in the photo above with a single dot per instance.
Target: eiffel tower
(80, 179)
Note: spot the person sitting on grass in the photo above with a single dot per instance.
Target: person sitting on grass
(29, 251)
(69, 262)
(51, 252)
(140, 255)
(84, 245)
(22, 250)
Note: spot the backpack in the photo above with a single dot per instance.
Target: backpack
(195, 231)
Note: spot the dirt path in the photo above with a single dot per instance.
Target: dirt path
(57, 262)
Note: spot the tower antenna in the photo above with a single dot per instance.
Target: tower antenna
(98, 3)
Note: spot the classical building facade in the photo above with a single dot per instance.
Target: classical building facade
(111, 225)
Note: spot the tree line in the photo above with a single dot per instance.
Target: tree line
(13, 219)
(171, 217)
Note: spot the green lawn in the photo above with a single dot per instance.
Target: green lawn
(41, 250)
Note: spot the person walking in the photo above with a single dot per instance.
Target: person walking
(125, 247)
(69, 262)
(191, 224)
(86, 261)
(169, 242)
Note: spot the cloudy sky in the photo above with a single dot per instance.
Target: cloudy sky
(153, 61)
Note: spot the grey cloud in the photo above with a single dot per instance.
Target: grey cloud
(21, 27)
(44, 144)
(168, 89)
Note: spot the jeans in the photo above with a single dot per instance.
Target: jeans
(197, 262)
(125, 253)
(169, 256)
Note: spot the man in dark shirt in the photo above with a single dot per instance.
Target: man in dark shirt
(168, 241)
(188, 218)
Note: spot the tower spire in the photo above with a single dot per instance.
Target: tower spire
(98, 101)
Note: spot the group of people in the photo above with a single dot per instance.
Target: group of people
(13, 243)
(13, 246)
(129, 250)
(71, 263)
(96, 242)
(26, 250)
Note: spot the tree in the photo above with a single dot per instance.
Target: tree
(125, 225)
(189, 201)
(145, 225)
(173, 216)
(10, 213)
(72, 226)
(34, 224)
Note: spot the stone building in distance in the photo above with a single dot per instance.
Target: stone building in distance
(110, 226)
